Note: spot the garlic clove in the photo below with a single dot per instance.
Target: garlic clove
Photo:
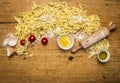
(10, 50)
(9, 42)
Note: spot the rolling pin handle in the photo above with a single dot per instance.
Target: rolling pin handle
(74, 50)
(112, 27)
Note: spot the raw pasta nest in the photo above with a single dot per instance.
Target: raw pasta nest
(57, 18)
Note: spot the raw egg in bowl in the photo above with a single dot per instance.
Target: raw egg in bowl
(65, 41)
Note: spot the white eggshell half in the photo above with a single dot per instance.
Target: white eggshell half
(12, 41)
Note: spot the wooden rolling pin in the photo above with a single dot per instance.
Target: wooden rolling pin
(92, 39)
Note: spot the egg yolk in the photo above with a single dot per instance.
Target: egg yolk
(65, 41)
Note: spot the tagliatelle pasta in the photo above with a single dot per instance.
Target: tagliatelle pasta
(57, 18)
(104, 44)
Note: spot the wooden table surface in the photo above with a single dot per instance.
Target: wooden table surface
(50, 64)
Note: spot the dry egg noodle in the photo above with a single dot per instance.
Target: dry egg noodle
(52, 16)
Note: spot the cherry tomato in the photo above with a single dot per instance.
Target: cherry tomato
(32, 38)
(44, 40)
(22, 42)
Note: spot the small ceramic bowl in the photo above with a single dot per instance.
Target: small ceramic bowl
(107, 56)
(63, 47)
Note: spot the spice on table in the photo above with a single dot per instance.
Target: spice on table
(71, 58)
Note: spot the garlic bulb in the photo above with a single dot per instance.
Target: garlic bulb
(10, 42)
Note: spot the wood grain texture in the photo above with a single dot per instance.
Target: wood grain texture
(50, 64)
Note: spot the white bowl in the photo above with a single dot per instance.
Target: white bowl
(65, 48)
(108, 56)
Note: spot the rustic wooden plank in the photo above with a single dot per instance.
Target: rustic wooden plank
(9, 9)
(49, 63)
(46, 66)
(52, 63)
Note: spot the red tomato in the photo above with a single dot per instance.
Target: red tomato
(32, 38)
(22, 42)
(44, 40)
